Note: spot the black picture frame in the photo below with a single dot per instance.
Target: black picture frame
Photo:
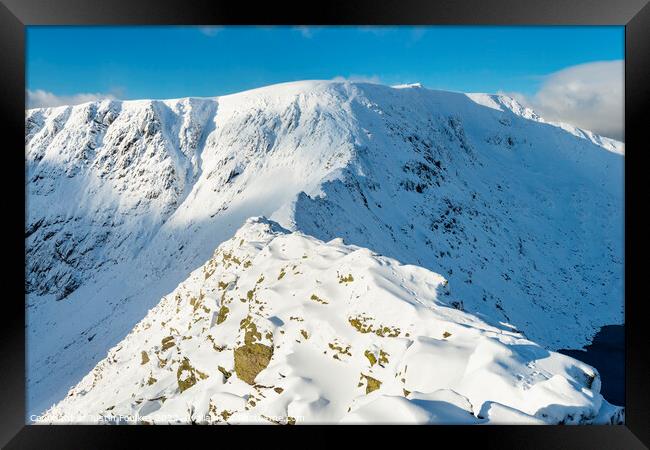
(16, 14)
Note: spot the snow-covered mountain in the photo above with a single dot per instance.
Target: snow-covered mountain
(279, 327)
(125, 199)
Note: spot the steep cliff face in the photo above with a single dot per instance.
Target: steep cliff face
(125, 199)
(278, 327)
(102, 178)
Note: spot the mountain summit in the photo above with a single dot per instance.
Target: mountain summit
(126, 199)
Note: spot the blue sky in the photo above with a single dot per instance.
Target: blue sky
(167, 62)
(540, 66)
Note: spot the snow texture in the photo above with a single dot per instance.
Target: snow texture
(127, 198)
(355, 337)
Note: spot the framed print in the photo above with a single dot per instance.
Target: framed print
(407, 213)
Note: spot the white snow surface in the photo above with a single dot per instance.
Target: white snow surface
(127, 198)
(355, 338)
(506, 103)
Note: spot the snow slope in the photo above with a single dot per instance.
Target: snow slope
(279, 327)
(125, 199)
(503, 103)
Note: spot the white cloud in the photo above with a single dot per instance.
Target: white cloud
(210, 31)
(374, 79)
(307, 32)
(376, 30)
(42, 99)
(589, 96)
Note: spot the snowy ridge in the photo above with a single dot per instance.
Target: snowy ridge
(504, 102)
(278, 327)
(125, 199)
